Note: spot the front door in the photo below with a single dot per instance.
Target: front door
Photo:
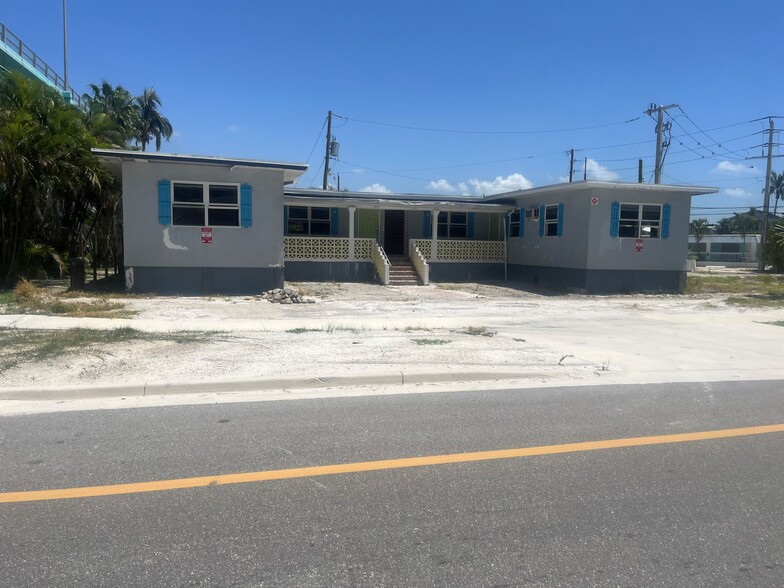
(395, 232)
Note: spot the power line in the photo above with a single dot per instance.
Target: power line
(468, 132)
(318, 137)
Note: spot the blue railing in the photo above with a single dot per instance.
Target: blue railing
(15, 47)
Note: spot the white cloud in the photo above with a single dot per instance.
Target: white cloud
(737, 193)
(377, 188)
(499, 184)
(440, 186)
(233, 128)
(563, 179)
(598, 172)
(730, 167)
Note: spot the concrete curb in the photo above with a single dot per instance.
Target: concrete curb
(272, 383)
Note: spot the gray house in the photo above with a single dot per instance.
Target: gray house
(201, 224)
(206, 225)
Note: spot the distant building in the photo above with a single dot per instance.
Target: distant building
(725, 248)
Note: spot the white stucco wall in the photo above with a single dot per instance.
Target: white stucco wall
(150, 244)
(586, 242)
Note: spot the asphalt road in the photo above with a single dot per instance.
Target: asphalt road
(695, 513)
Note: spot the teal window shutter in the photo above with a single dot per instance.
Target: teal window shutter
(470, 225)
(541, 220)
(246, 206)
(560, 218)
(164, 202)
(665, 221)
(334, 228)
(615, 219)
(285, 220)
(522, 222)
(427, 225)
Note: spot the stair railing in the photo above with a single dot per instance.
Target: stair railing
(420, 264)
(381, 261)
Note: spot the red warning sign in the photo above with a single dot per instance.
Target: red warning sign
(638, 245)
(206, 235)
(594, 201)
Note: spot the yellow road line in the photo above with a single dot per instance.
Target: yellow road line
(386, 464)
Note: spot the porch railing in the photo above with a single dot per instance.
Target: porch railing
(419, 262)
(449, 250)
(327, 249)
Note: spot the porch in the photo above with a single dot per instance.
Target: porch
(353, 239)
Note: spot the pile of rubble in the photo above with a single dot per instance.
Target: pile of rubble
(286, 296)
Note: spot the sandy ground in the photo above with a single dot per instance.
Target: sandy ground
(362, 329)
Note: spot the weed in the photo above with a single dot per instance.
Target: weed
(757, 300)
(20, 345)
(6, 297)
(30, 299)
(481, 331)
(777, 323)
(431, 341)
(328, 329)
(409, 329)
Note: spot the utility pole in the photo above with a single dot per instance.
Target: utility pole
(65, 48)
(639, 171)
(585, 169)
(325, 184)
(660, 127)
(766, 202)
(571, 164)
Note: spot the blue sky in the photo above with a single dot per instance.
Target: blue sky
(519, 82)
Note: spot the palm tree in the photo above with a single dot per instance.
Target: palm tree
(699, 226)
(49, 179)
(151, 123)
(776, 189)
(745, 223)
(118, 106)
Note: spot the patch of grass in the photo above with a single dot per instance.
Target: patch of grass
(431, 341)
(747, 284)
(478, 331)
(758, 300)
(6, 297)
(777, 323)
(409, 329)
(27, 298)
(327, 329)
(755, 290)
(20, 345)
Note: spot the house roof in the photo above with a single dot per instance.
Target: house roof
(389, 202)
(113, 157)
(613, 186)
(466, 202)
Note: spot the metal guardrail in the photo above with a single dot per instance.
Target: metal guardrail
(29, 57)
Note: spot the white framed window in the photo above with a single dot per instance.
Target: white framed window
(551, 220)
(308, 220)
(640, 221)
(514, 223)
(532, 214)
(453, 225)
(204, 204)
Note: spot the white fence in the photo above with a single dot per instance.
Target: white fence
(327, 249)
(456, 251)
